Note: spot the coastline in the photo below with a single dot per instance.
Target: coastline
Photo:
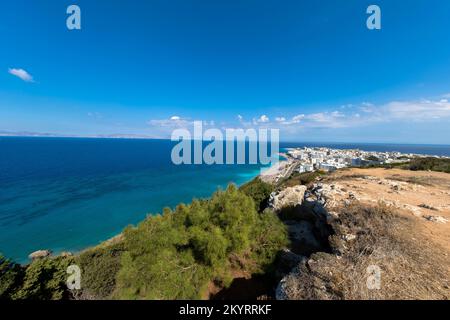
(90, 210)
(318, 200)
(268, 174)
(246, 177)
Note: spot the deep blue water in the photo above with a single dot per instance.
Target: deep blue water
(65, 194)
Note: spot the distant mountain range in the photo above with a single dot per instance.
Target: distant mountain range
(57, 135)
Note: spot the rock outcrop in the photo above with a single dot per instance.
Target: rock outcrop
(40, 254)
(287, 198)
(438, 219)
(353, 220)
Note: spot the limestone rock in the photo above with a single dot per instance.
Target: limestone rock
(66, 254)
(289, 197)
(438, 219)
(40, 254)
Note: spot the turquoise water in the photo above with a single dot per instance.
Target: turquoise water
(65, 194)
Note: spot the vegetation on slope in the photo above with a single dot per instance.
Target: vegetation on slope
(430, 163)
(419, 164)
(174, 255)
(11, 275)
(43, 279)
(259, 191)
(99, 267)
(297, 178)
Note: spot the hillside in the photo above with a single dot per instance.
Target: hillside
(395, 221)
(312, 236)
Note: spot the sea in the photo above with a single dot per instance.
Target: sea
(66, 194)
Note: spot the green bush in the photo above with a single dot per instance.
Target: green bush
(11, 275)
(158, 262)
(209, 246)
(45, 279)
(270, 235)
(99, 267)
(175, 255)
(259, 191)
(418, 164)
(430, 163)
(373, 158)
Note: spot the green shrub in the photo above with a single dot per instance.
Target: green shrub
(11, 275)
(259, 191)
(418, 164)
(235, 214)
(175, 255)
(373, 158)
(430, 163)
(158, 262)
(270, 236)
(45, 279)
(209, 246)
(99, 267)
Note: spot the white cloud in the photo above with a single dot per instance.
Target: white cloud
(334, 119)
(298, 118)
(263, 119)
(367, 113)
(21, 74)
(358, 115)
(172, 122)
(416, 110)
(294, 120)
(176, 122)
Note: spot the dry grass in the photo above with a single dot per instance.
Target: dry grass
(423, 181)
(411, 267)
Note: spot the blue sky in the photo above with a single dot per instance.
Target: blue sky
(310, 68)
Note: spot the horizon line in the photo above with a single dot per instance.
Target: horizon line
(140, 137)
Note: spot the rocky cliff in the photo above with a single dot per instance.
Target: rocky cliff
(366, 234)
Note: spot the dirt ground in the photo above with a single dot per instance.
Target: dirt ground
(397, 221)
(422, 195)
